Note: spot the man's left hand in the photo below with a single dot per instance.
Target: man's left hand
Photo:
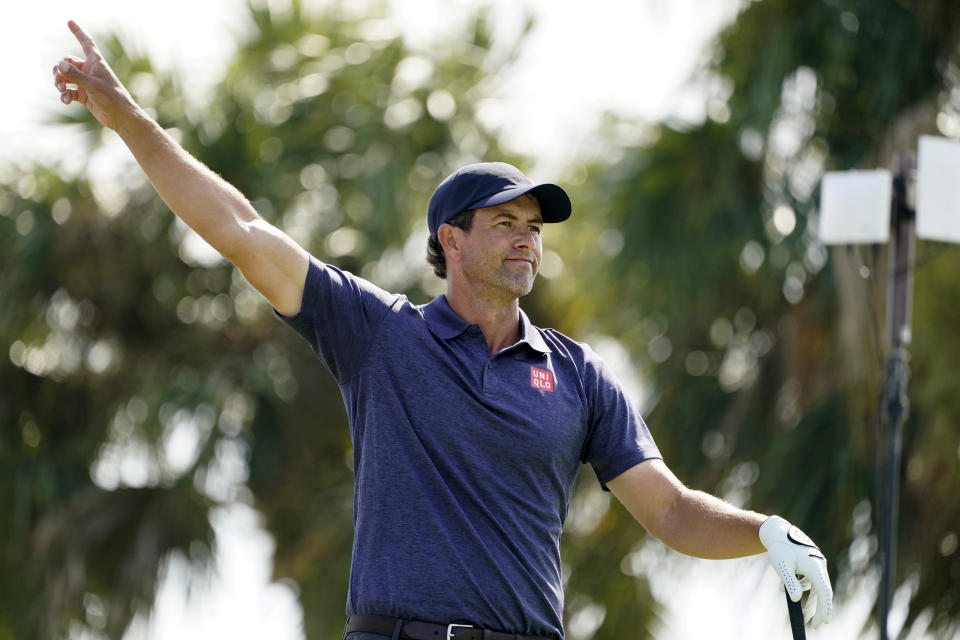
(793, 554)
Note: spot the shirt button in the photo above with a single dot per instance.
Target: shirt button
(489, 365)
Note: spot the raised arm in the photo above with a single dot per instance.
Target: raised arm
(269, 259)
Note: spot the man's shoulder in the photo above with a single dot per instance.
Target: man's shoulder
(324, 274)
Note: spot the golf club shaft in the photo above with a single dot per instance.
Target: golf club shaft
(796, 618)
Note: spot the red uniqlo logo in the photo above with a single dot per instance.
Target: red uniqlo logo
(540, 379)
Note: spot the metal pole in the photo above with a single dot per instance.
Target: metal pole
(896, 403)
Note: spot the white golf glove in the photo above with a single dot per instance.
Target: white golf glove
(793, 554)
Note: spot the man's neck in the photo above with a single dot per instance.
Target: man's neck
(498, 319)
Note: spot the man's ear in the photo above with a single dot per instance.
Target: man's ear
(450, 238)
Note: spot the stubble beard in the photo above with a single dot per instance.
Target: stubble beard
(505, 278)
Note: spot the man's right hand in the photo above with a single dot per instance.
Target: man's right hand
(97, 87)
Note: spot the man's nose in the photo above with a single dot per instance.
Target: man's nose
(525, 238)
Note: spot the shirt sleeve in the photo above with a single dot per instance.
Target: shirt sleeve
(618, 438)
(339, 316)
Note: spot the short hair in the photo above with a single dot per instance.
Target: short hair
(435, 256)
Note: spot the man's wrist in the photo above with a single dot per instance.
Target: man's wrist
(770, 529)
(130, 119)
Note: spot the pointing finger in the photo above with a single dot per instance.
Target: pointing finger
(86, 42)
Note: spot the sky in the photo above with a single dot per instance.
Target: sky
(629, 57)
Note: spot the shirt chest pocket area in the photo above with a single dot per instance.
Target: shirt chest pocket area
(536, 405)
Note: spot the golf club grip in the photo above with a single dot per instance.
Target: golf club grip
(796, 618)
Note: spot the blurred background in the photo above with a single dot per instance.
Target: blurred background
(175, 464)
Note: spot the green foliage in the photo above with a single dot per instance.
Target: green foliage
(70, 396)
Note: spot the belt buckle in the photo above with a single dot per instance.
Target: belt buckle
(450, 628)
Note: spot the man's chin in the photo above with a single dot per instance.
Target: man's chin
(521, 288)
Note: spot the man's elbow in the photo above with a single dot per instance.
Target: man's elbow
(668, 526)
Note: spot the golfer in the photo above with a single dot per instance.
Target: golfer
(468, 423)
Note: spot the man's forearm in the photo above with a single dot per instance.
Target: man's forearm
(702, 525)
(216, 210)
(688, 521)
(203, 200)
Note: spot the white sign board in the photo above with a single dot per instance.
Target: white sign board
(938, 189)
(855, 207)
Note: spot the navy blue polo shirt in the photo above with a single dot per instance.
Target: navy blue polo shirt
(463, 461)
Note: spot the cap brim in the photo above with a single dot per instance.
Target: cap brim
(553, 200)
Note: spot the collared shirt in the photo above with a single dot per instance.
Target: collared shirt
(463, 460)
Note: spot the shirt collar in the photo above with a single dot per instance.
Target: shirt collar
(442, 320)
(444, 323)
(531, 335)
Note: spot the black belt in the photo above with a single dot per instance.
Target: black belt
(416, 630)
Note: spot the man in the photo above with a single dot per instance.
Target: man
(468, 423)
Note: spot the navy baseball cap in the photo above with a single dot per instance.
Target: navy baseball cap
(486, 184)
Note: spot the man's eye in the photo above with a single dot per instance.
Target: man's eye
(535, 229)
